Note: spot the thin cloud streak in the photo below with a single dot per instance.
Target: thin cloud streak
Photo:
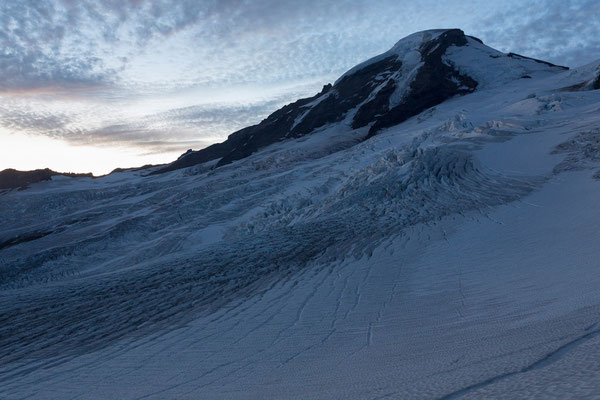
(176, 129)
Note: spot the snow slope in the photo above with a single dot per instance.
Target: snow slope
(452, 256)
(417, 73)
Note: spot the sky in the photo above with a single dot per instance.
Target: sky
(89, 86)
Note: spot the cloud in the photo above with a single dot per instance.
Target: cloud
(73, 44)
(563, 32)
(33, 70)
(166, 131)
(41, 49)
(193, 126)
(24, 119)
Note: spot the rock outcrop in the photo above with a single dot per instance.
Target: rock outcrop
(12, 179)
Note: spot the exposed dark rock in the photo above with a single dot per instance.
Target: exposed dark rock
(596, 84)
(348, 93)
(518, 56)
(379, 105)
(12, 179)
(143, 167)
(435, 82)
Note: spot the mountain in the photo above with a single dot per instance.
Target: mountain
(12, 179)
(425, 227)
(419, 72)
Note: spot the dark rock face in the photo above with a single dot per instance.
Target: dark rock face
(596, 84)
(348, 93)
(12, 179)
(435, 82)
(520, 57)
(375, 107)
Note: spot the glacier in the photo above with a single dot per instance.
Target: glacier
(453, 255)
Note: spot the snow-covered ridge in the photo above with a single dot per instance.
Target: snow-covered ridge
(490, 67)
(418, 72)
(587, 77)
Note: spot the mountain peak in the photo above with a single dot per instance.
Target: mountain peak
(420, 71)
(405, 47)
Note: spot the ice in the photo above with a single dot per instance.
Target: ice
(452, 256)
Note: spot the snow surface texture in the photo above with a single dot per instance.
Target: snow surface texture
(453, 256)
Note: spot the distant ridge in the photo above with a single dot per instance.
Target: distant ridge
(13, 179)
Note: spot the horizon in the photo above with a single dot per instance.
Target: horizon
(94, 87)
